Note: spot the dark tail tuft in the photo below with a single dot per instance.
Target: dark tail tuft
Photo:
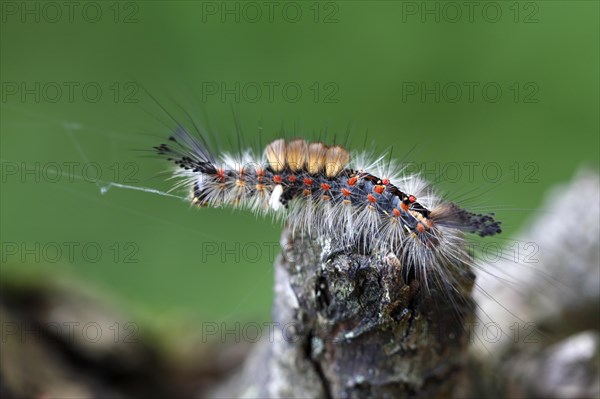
(453, 216)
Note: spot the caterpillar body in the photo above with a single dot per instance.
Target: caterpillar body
(328, 191)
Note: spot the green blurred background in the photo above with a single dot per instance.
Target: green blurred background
(362, 64)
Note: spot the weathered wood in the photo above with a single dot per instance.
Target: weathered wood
(359, 329)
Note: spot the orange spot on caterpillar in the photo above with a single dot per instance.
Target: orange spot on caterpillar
(277, 179)
(396, 212)
(306, 192)
(346, 192)
(260, 187)
(371, 198)
(420, 228)
(325, 186)
(292, 178)
(404, 207)
(221, 174)
(307, 181)
(326, 198)
(379, 189)
(352, 181)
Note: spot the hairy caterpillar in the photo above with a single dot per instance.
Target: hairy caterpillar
(328, 191)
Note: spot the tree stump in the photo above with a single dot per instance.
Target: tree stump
(353, 325)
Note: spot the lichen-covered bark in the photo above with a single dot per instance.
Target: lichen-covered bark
(369, 333)
(355, 328)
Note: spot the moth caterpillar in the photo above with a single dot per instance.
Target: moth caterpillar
(326, 190)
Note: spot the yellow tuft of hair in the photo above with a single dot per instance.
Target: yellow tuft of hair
(296, 155)
(316, 157)
(336, 158)
(275, 153)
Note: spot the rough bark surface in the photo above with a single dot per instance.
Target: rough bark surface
(352, 327)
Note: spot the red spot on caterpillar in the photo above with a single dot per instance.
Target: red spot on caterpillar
(277, 179)
(412, 198)
(420, 228)
(345, 192)
(307, 181)
(379, 189)
(352, 181)
(396, 212)
(386, 181)
(325, 186)
(404, 207)
(371, 198)
(292, 178)
(221, 174)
